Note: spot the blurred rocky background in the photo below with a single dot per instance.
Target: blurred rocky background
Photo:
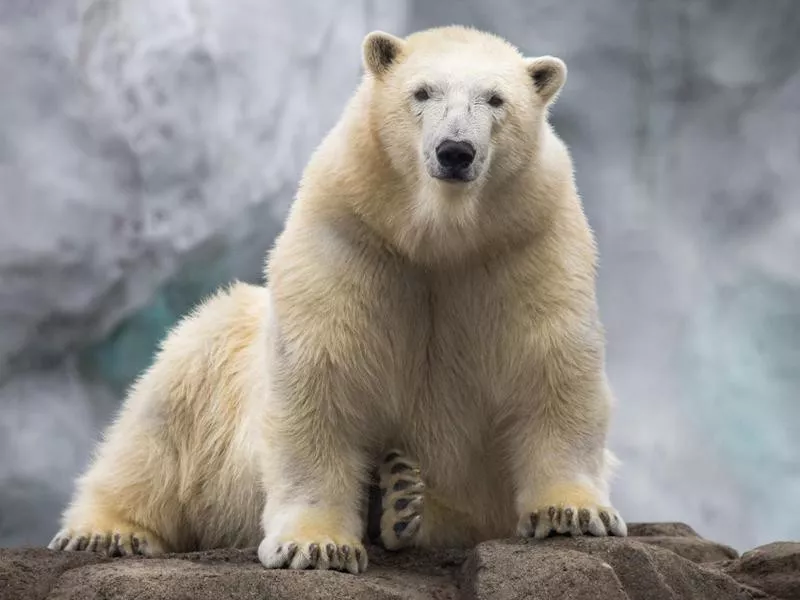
(149, 150)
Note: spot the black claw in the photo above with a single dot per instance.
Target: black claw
(605, 519)
(401, 485)
(400, 527)
(551, 513)
(346, 552)
(330, 550)
(584, 517)
(401, 503)
(399, 468)
(569, 515)
(391, 456)
(135, 544)
(358, 555)
(314, 552)
(534, 521)
(291, 550)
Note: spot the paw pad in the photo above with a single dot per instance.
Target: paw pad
(402, 492)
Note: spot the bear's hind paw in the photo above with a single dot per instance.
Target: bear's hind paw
(402, 491)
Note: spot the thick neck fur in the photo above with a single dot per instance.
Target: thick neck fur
(432, 223)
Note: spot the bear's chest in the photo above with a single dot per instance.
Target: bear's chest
(465, 349)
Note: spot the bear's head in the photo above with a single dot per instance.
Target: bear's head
(458, 105)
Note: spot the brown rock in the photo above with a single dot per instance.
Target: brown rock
(510, 571)
(590, 568)
(658, 561)
(661, 530)
(40, 574)
(32, 573)
(694, 549)
(774, 568)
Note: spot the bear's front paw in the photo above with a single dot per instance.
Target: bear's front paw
(320, 552)
(572, 510)
(120, 540)
(402, 499)
(573, 520)
(312, 537)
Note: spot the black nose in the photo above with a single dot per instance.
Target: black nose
(455, 156)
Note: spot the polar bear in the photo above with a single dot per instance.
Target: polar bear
(430, 311)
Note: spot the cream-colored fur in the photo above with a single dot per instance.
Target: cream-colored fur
(455, 320)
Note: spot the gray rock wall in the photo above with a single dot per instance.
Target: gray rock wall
(149, 154)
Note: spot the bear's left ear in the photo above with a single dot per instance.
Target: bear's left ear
(548, 74)
(380, 50)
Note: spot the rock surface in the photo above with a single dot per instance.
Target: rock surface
(774, 568)
(657, 561)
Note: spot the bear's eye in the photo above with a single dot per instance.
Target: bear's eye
(495, 101)
(421, 95)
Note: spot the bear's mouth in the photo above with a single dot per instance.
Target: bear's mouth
(454, 176)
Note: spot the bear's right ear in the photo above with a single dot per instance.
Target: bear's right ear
(380, 51)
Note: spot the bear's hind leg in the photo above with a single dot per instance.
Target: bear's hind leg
(113, 518)
(127, 502)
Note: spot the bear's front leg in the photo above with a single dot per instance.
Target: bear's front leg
(312, 517)
(314, 472)
(561, 466)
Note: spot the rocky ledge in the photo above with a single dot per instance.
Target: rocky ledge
(658, 560)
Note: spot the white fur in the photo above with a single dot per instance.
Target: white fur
(456, 321)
